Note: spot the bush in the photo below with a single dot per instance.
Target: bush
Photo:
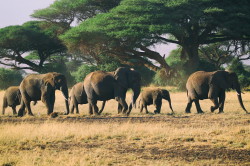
(243, 75)
(180, 74)
(83, 71)
(9, 78)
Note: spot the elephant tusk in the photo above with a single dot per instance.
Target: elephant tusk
(65, 98)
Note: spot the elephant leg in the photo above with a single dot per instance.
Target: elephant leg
(158, 107)
(119, 108)
(103, 105)
(221, 102)
(90, 109)
(93, 106)
(27, 104)
(141, 108)
(189, 105)
(198, 107)
(77, 110)
(124, 106)
(50, 103)
(72, 107)
(3, 110)
(14, 110)
(216, 104)
(146, 108)
(21, 109)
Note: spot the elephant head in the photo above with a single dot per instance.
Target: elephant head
(58, 82)
(230, 80)
(165, 95)
(129, 78)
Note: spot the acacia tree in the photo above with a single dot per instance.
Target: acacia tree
(16, 42)
(129, 29)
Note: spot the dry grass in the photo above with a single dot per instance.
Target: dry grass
(109, 139)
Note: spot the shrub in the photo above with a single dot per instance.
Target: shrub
(83, 71)
(9, 77)
(243, 75)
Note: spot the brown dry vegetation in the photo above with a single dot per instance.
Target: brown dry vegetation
(111, 139)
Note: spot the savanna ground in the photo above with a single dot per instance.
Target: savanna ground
(111, 139)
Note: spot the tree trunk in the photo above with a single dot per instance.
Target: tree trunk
(191, 52)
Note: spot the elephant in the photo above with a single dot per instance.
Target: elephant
(36, 87)
(211, 85)
(77, 95)
(103, 86)
(12, 98)
(154, 96)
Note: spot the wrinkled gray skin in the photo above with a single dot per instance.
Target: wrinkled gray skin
(154, 96)
(211, 85)
(11, 98)
(77, 95)
(36, 87)
(104, 86)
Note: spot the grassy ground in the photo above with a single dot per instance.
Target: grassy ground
(111, 139)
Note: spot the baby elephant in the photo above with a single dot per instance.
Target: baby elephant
(154, 96)
(77, 96)
(12, 98)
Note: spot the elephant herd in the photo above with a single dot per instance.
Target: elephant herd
(103, 86)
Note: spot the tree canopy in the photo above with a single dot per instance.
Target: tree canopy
(129, 29)
(16, 42)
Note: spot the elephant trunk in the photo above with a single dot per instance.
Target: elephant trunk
(65, 93)
(240, 98)
(136, 93)
(241, 102)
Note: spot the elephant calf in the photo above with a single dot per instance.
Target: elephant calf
(12, 98)
(77, 96)
(154, 96)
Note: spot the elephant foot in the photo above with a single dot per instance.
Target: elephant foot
(200, 112)
(212, 109)
(156, 112)
(221, 112)
(188, 111)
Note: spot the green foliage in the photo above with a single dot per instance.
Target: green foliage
(134, 24)
(9, 78)
(179, 76)
(83, 71)
(66, 11)
(34, 37)
(243, 75)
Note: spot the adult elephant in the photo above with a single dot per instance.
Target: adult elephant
(11, 98)
(77, 95)
(154, 96)
(211, 85)
(103, 86)
(36, 87)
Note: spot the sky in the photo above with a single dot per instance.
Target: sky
(17, 12)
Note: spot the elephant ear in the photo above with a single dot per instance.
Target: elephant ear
(220, 79)
(49, 79)
(121, 75)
